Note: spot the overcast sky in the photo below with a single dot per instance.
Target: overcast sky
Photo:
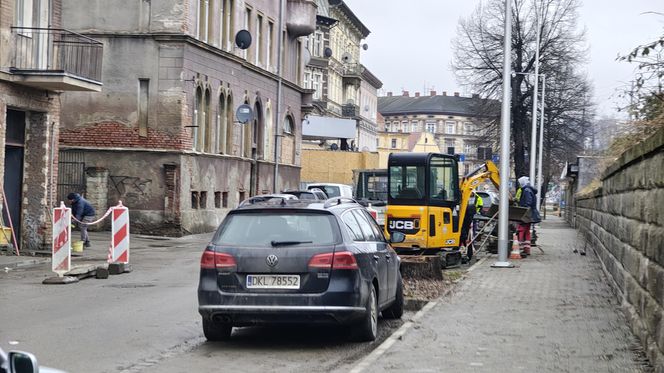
(410, 42)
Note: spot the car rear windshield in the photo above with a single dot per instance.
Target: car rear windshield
(271, 228)
(330, 190)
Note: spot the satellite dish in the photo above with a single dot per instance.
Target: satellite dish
(346, 57)
(334, 147)
(243, 39)
(306, 56)
(327, 52)
(365, 46)
(244, 114)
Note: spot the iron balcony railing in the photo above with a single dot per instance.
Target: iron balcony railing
(49, 50)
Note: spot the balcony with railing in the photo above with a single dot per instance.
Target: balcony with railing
(55, 59)
(352, 73)
(350, 111)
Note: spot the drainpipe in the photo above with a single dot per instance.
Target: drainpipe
(277, 120)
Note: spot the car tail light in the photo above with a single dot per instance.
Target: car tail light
(340, 260)
(344, 260)
(323, 261)
(212, 260)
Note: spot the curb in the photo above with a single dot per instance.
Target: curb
(380, 350)
(28, 263)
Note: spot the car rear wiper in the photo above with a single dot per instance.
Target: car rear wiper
(286, 243)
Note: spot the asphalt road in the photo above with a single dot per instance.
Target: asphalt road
(147, 321)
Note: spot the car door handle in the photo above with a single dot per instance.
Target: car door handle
(388, 257)
(376, 257)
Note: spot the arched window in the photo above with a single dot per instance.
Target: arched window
(288, 125)
(206, 129)
(221, 125)
(247, 138)
(259, 130)
(269, 125)
(198, 103)
(230, 124)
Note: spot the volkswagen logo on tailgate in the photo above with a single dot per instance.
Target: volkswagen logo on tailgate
(272, 260)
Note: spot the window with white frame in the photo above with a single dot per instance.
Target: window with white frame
(317, 84)
(203, 8)
(270, 36)
(431, 127)
(468, 128)
(404, 126)
(24, 13)
(413, 126)
(307, 80)
(317, 44)
(449, 127)
(258, 58)
(468, 149)
(394, 143)
(288, 125)
(449, 143)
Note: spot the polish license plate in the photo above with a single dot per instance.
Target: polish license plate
(273, 281)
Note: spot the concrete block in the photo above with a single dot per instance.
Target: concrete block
(102, 272)
(118, 268)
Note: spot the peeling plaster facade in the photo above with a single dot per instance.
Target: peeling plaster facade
(164, 125)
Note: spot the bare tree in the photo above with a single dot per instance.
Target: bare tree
(478, 64)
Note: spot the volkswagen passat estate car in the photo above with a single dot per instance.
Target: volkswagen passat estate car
(299, 262)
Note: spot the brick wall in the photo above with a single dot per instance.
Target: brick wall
(623, 221)
(114, 134)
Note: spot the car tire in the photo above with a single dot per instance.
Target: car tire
(395, 311)
(367, 329)
(215, 331)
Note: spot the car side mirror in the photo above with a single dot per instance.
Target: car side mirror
(22, 362)
(397, 237)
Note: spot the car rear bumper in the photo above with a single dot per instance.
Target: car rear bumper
(255, 315)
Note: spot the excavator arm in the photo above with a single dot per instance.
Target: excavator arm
(486, 171)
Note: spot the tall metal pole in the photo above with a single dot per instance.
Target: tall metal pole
(540, 175)
(277, 120)
(533, 127)
(505, 143)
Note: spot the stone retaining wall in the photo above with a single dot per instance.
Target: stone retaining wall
(623, 221)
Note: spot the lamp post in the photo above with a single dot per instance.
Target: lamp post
(533, 127)
(503, 216)
(533, 147)
(540, 179)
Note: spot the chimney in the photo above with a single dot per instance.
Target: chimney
(417, 94)
(389, 94)
(476, 95)
(456, 94)
(433, 93)
(406, 94)
(444, 93)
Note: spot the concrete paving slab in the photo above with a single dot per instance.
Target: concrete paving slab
(553, 312)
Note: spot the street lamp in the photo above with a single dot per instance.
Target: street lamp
(533, 130)
(503, 215)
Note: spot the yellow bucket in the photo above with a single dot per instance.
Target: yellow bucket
(77, 246)
(5, 235)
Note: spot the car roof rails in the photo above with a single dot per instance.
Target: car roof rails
(337, 201)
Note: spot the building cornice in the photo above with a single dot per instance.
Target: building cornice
(188, 39)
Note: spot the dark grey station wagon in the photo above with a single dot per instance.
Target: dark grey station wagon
(299, 262)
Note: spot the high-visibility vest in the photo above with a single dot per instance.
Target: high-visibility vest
(479, 203)
(517, 197)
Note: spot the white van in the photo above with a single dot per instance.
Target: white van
(333, 190)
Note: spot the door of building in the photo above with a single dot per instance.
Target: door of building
(13, 179)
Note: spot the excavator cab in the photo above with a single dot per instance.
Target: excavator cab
(423, 203)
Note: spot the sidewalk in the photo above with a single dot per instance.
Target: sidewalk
(98, 252)
(554, 312)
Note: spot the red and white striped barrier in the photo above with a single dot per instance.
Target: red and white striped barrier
(119, 251)
(61, 257)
